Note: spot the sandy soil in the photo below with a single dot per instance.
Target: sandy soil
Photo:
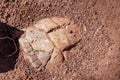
(95, 57)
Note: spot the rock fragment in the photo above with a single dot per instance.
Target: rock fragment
(73, 34)
(43, 45)
(43, 57)
(46, 25)
(56, 58)
(59, 38)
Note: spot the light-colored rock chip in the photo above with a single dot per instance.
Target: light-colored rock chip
(56, 58)
(36, 64)
(43, 45)
(73, 33)
(34, 34)
(43, 57)
(59, 39)
(61, 21)
(46, 25)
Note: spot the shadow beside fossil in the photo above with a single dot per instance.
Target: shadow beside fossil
(9, 46)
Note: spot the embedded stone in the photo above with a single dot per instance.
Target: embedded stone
(25, 45)
(43, 45)
(36, 64)
(59, 39)
(30, 59)
(34, 34)
(56, 58)
(73, 34)
(33, 58)
(30, 53)
(65, 55)
(43, 57)
(61, 21)
(46, 25)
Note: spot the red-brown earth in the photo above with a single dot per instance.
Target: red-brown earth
(95, 57)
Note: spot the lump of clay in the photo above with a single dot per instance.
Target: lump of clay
(44, 43)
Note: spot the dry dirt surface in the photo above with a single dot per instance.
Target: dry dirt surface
(95, 57)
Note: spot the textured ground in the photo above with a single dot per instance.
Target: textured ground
(96, 57)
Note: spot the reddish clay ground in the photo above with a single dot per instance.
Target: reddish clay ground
(95, 57)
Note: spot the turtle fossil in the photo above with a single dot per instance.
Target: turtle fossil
(44, 42)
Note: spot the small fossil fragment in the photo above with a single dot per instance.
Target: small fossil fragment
(44, 43)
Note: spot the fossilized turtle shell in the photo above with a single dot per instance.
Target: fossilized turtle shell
(44, 43)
